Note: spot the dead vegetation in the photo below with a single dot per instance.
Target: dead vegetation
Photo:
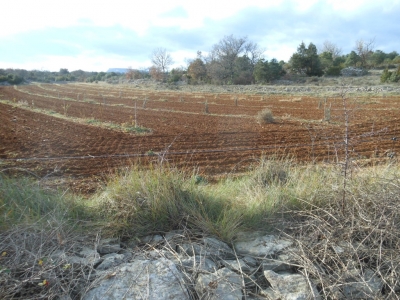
(338, 248)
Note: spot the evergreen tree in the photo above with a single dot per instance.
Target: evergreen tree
(265, 71)
(352, 59)
(306, 61)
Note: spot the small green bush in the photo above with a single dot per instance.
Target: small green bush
(333, 71)
(388, 76)
(14, 79)
(385, 75)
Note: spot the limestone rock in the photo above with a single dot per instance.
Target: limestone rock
(86, 256)
(351, 71)
(364, 286)
(288, 286)
(107, 246)
(238, 265)
(222, 285)
(261, 246)
(191, 249)
(152, 239)
(110, 260)
(250, 261)
(275, 265)
(142, 279)
(199, 264)
(218, 248)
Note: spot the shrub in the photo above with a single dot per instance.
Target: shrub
(333, 71)
(395, 77)
(385, 75)
(15, 79)
(265, 116)
(388, 76)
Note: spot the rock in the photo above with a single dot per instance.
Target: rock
(142, 279)
(111, 260)
(238, 265)
(199, 264)
(275, 265)
(288, 286)
(173, 238)
(58, 255)
(107, 246)
(217, 248)
(261, 246)
(250, 261)
(351, 71)
(174, 234)
(152, 239)
(222, 285)
(363, 286)
(85, 257)
(209, 247)
(88, 253)
(191, 249)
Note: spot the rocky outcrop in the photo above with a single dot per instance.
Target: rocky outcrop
(351, 71)
(175, 266)
(141, 279)
(288, 286)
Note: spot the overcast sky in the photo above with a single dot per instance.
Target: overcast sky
(97, 35)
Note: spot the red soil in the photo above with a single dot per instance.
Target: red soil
(228, 139)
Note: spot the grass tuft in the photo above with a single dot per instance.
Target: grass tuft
(334, 243)
(24, 201)
(265, 116)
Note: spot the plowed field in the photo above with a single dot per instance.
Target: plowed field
(226, 139)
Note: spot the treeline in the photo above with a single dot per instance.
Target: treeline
(234, 61)
(16, 76)
(239, 61)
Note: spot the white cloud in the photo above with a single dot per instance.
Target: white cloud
(95, 35)
(31, 15)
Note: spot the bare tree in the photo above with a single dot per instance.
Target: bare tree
(222, 60)
(156, 73)
(364, 49)
(225, 54)
(331, 48)
(254, 53)
(161, 59)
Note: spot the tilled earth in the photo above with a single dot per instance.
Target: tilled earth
(225, 139)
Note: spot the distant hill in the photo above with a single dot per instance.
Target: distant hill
(117, 70)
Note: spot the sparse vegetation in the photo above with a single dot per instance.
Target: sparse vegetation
(336, 226)
(390, 76)
(265, 116)
(276, 194)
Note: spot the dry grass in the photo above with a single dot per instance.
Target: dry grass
(337, 246)
(336, 242)
(265, 116)
(31, 266)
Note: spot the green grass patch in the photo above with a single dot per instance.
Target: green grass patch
(156, 199)
(23, 201)
(145, 201)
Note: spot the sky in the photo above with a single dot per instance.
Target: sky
(98, 35)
